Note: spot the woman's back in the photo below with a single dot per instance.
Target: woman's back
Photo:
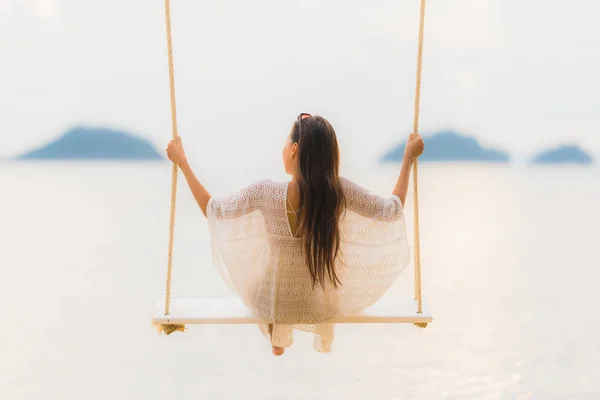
(256, 251)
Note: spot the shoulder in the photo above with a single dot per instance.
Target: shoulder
(351, 186)
(265, 188)
(348, 182)
(345, 181)
(265, 184)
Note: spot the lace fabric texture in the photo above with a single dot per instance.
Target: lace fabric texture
(263, 263)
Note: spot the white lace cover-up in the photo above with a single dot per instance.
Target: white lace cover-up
(264, 264)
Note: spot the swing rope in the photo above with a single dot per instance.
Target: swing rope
(417, 250)
(170, 328)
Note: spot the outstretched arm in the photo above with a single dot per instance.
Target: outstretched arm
(362, 202)
(414, 148)
(200, 193)
(401, 188)
(177, 155)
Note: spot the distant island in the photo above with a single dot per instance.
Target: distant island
(84, 143)
(565, 154)
(450, 146)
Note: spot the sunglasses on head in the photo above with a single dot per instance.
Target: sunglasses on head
(300, 118)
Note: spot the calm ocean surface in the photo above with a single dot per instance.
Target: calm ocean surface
(511, 269)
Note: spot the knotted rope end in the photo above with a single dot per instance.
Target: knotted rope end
(170, 328)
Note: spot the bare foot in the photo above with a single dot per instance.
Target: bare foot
(278, 351)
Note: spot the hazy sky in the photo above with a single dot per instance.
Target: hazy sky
(517, 74)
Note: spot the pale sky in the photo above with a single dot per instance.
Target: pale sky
(517, 74)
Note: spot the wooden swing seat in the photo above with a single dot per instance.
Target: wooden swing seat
(231, 310)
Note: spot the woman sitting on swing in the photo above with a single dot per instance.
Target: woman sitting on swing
(303, 252)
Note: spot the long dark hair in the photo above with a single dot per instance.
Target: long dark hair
(322, 200)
